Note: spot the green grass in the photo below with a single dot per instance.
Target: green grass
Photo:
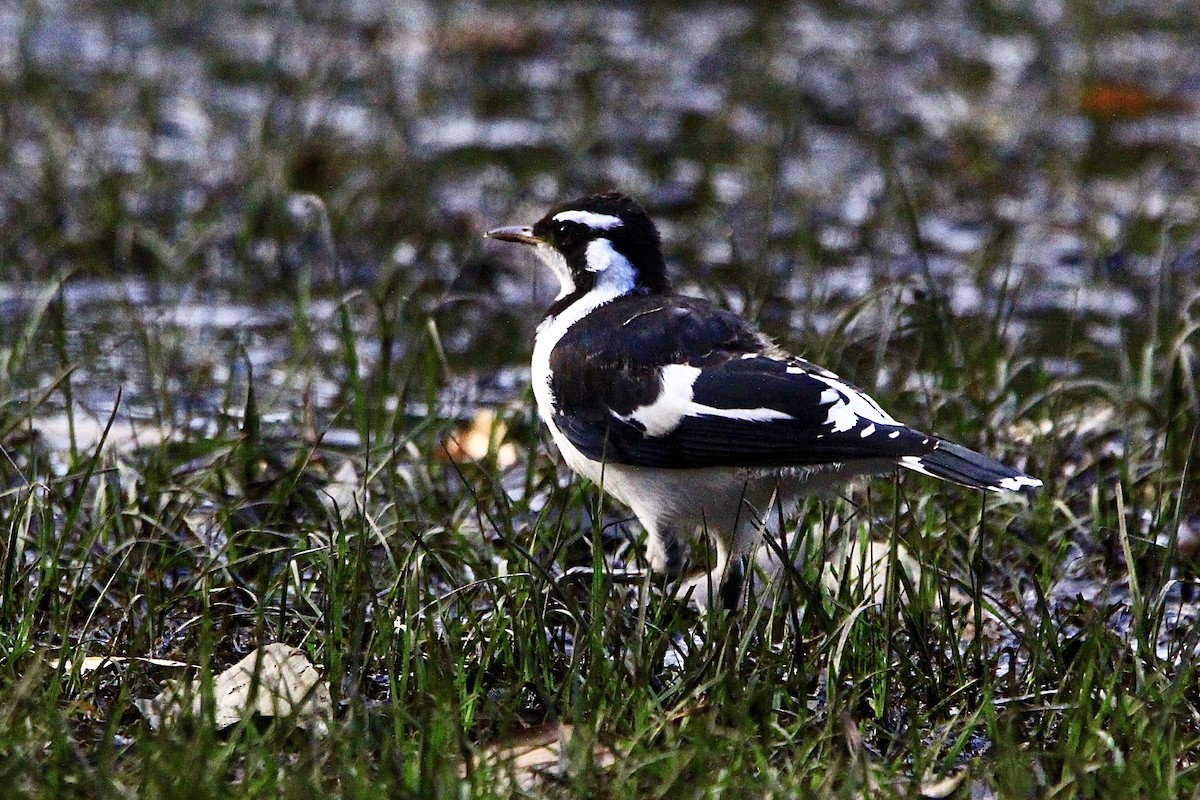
(459, 610)
(439, 609)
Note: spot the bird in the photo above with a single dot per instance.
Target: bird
(686, 412)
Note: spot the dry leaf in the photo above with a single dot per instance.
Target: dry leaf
(1128, 100)
(275, 681)
(1123, 100)
(936, 788)
(479, 439)
(92, 663)
(532, 752)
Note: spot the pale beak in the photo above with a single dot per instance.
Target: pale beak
(522, 234)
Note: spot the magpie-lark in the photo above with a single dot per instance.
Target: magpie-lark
(688, 414)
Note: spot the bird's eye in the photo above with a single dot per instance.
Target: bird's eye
(566, 234)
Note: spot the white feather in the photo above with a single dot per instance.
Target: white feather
(1020, 482)
(848, 406)
(558, 265)
(599, 222)
(671, 406)
(610, 266)
(759, 414)
(676, 401)
(916, 465)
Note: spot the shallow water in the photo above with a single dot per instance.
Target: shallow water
(1044, 154)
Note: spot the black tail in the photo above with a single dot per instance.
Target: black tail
(952, 462)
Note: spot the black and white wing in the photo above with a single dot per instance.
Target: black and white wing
(687, 385)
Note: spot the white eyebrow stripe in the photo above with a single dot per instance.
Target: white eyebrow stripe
(600, 222)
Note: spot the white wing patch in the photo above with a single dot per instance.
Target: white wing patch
(848, 407)
(675, 401)
(598, 222)
(841, 417)
(1020, 482)
(671, 406)
(759, 414)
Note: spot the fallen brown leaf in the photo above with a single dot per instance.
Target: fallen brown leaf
(275, 681)
(535, 751)
(92, 663)
(480, 439)
(937, 788)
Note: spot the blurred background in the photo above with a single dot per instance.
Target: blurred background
(1032, 163)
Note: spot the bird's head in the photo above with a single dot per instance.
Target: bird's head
(600, 240)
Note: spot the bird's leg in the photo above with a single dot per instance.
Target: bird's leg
(664, 550)
(729, 572)
(732, 584)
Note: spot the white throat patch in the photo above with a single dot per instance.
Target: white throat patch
(558, 265)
